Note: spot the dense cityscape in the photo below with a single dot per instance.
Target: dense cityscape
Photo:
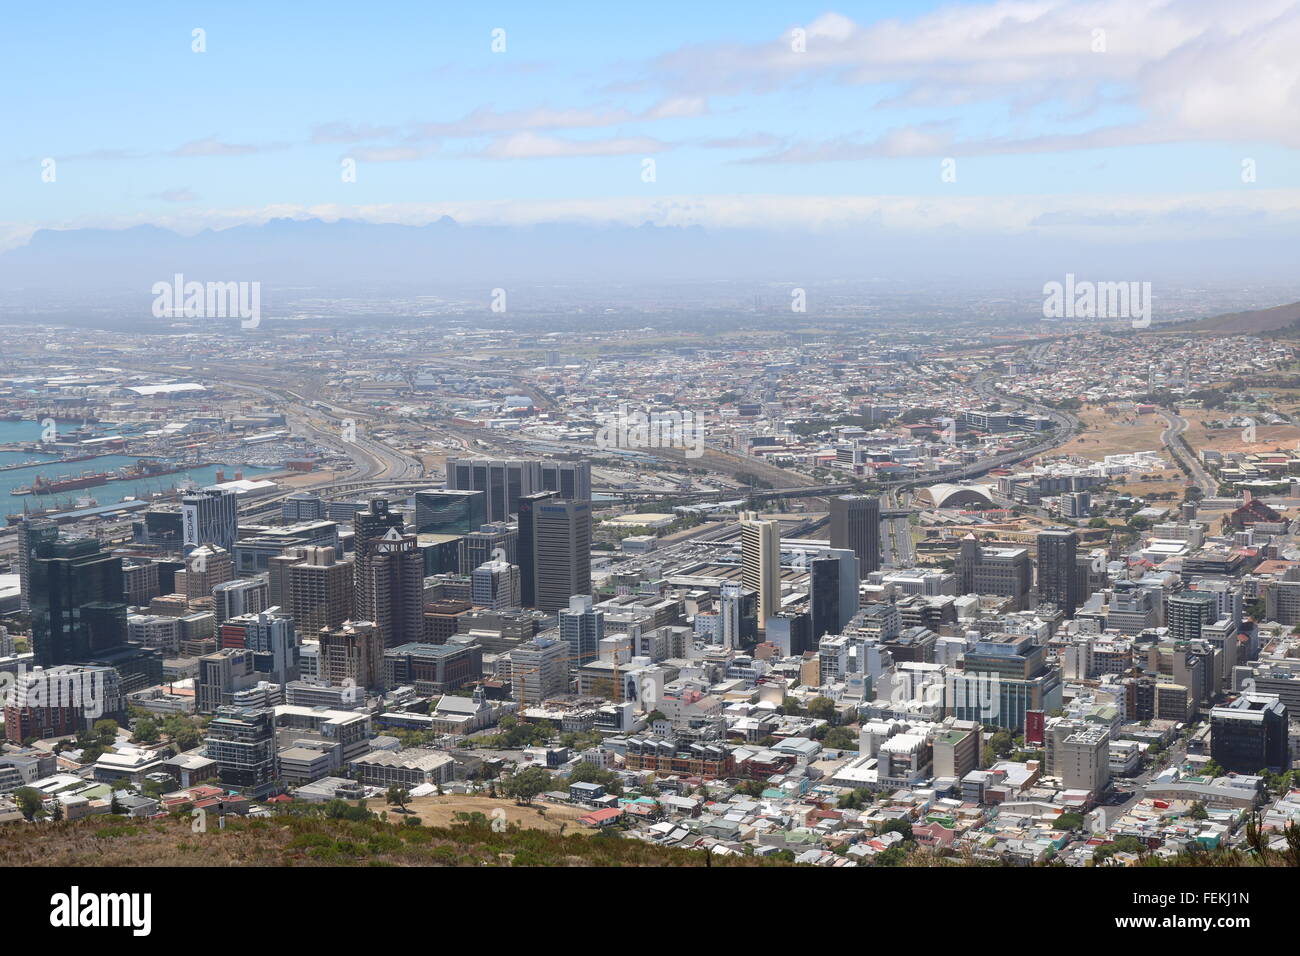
(457, 440)
(1004, 597)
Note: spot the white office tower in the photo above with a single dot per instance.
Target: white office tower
(241, 596)
(729, 607)
(495, 585)
(582, 628)
(210, 517)
(760, 559)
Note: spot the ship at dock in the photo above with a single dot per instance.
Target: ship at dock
(143, 468)
(45, 486)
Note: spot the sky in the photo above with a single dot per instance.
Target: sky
(1133, 120)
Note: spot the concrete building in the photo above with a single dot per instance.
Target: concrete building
(352, 654)
(855, 525)
(1250, 735)
(760, 557)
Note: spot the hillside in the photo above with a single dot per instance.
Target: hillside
(290, 840)
(1279, 318)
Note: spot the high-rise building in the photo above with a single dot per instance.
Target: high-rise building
(273, 639)
(60, 700)
(352, 655)
(433, 669)
(524, 547)
(957, 752)
(492, 542)
(1058, 571)
(495, 585)
(210, 517)
(570, 480)
(538, 670)
(1082, 758)
(832, 591)
(77, 601)
(241, 596)
(222, 675)
(141, 582)
(320, 591)
(1004, 571)
(302, 506)
(242, 742)
(760, 563)
(561, 552)
(1189, 611)
(373, 522)
(855, 524)
(389, 575)
(731, 609)
(1250, 735)
(33, 534)
(449, 511)
(1002, 678)
(205, 567)
(582, 628)
(504, 482)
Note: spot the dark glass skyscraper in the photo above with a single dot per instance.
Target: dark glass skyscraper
(570, 480)
(1058, 572)
(524, 547)
(561, 552)
(855, 525)
(373, 523)
(449, 511)
(78, 601)
(832, 592)
(33, 534)
(503, 482)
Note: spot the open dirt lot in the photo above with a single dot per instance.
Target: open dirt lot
(441, 811)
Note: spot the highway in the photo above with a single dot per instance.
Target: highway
(1172, 439)
(896, 532)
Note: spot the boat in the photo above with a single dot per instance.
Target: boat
(42, 486)
(20, 491)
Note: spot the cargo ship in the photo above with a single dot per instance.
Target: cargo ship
(43, 486)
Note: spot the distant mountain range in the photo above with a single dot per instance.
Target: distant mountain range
(307, 267)
(1279, 318)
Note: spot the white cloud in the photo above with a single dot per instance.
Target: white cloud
(182, 194)
(536, 146)
(1136, 217)
(1192, 70)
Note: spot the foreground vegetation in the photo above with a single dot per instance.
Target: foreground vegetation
(312, 837)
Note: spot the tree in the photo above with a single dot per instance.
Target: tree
(399, 796)
(898, 826)
(840, 738)
(30, 802)
(106, 732)
(822, 708)
(184, 735)
(146, 731)
(1069, 821)
(589, 773)
(526, 784)
(894, 856)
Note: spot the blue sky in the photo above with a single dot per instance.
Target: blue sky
(1043, 126)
